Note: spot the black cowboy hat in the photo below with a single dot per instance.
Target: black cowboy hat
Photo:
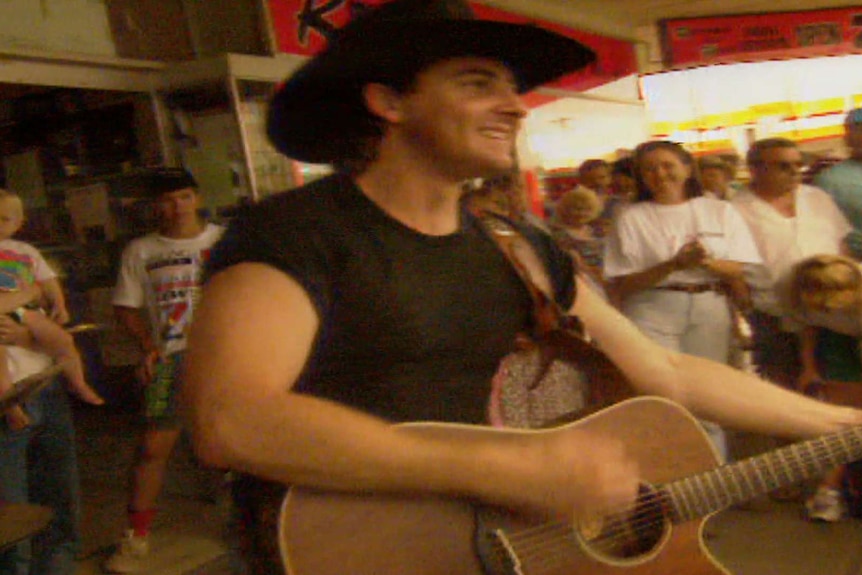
(321, 103)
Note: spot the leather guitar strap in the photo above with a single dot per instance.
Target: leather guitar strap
(530, 268)
(560, 336)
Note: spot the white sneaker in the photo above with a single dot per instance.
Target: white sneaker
(130, 554)
(827, 504)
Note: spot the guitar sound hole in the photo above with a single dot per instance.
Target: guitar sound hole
(629, 535)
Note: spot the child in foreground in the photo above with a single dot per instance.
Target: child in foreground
(826, 292)
(23, 270)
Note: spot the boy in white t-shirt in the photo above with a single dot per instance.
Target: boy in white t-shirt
(25, 272)
(157, 289)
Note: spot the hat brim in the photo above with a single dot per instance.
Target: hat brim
(321, 102)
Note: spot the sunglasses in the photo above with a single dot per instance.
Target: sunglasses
(790, 167)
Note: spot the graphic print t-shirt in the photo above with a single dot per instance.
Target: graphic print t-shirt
(164, 275)
(21, 264)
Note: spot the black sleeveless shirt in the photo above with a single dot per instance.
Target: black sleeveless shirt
(412, 326)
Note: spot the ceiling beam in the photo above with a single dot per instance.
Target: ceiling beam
(75, 71)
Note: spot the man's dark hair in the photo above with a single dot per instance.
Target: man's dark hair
(165, 180)
(754, 156)
(591, 164)
(624, 166)
(359, 147)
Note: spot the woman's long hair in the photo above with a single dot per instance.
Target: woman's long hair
(693, 187)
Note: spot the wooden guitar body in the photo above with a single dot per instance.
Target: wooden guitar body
(326, 533)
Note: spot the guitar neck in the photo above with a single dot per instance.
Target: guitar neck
(717, 489)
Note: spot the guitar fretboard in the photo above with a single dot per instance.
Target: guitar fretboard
(699, 495)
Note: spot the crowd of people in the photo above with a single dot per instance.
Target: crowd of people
(156, 292)
(696, 251)
(375, 296)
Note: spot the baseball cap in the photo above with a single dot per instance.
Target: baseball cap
(165, 180)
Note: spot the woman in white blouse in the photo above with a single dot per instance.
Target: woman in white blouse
(673, 257)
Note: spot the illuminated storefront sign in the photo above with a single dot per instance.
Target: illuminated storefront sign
(723, 107)
(749, 37)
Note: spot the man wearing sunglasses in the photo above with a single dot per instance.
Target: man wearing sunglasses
(789, 221)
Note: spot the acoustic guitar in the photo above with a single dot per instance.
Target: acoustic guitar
(328, 533)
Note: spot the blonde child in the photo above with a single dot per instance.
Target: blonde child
(575, 230)
(826, 292)
(503, 195)
(23, 274)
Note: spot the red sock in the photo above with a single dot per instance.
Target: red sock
(141, 521)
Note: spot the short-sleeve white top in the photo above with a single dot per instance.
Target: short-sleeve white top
(818, 227)
(648, 233)
(24, 261)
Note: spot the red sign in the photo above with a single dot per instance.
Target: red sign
(751, 37)
(304, 26)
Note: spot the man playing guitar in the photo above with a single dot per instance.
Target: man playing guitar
(371, 297)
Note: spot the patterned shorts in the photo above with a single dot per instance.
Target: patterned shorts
(161, 396)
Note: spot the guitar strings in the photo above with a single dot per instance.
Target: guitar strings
(538, 540)
(649, 512)
(545, 545)
(552, 544)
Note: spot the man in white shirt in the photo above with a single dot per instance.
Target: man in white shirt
(789, 221)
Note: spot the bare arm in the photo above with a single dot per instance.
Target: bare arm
(10, 301)
(690, 255)
(724, 269)
(631, 284)
(14, 333)
(807, 343)
(243, 360)
(132, 320)
(711, 390)
(53, 293)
